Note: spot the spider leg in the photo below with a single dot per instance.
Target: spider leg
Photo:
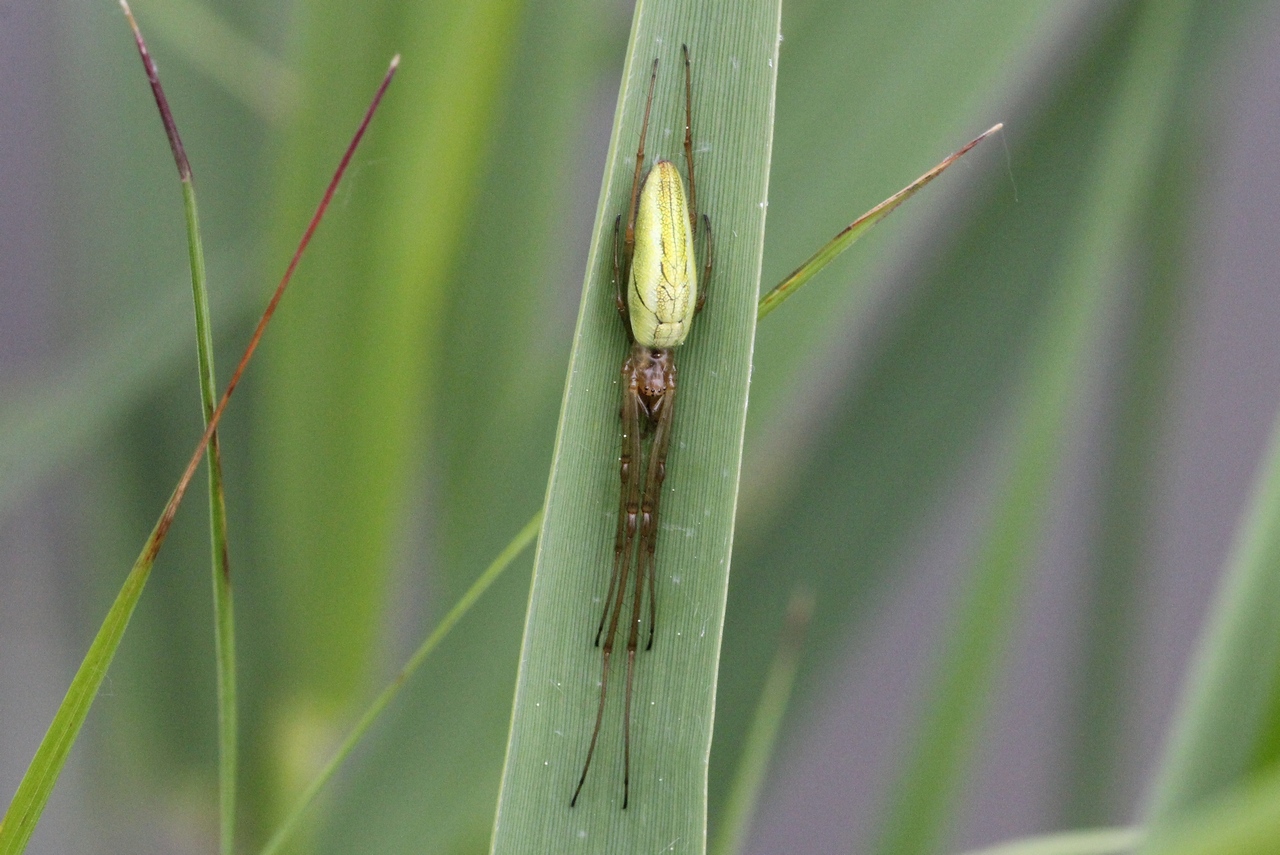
(619, 295)
(629, 501)
(657, 467)
(628, 512)
(629, 244)
(657, 472)
(693, 184)
(705, 283)
(632, 639)
(688, 139)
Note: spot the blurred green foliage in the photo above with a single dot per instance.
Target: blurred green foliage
(398, 429)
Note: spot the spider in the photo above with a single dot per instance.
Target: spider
(655, 257)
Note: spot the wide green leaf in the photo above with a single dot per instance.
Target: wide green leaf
(734, 53)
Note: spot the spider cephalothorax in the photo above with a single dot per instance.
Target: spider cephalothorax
(654, 371)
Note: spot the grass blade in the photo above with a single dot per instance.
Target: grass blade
(37, 783)
(1099, 841)
(845, 238)
(734, 53)
(223, 607)
(744, 794)
(512, 551)
(1221, 725)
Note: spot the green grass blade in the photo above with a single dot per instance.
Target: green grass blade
(38, 782)
(354, 366)
(220, 554)
(513, 549)
(734, 53)
(1104, 685)
(953, 714)
(1239, 820)
(223, 608)
(1099, 841)
(223, 613)
(1225, 710)
(762, 738)
(857, 229)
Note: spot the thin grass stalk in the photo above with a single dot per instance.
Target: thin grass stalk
(223, 610)
(850, 233)
(1218, 732)
(1093, 841)
(371, 714)
(762, 738)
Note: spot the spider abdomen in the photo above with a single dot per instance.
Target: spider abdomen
(662, 293)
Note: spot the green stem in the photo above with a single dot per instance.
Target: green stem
(223, 607)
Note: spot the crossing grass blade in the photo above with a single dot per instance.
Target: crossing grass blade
(37, 783)
(858, 228)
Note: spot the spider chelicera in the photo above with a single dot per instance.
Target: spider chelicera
(655, 260)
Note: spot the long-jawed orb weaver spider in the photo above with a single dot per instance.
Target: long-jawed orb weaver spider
(655, 257)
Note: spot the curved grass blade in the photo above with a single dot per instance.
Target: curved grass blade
(223, 601)
(954, 714)
(850, 233)
(513, 549)
(1221, 726)
(1095, 841)
(1242, 820)
(753, 763)
(42, 774)
(733, 48)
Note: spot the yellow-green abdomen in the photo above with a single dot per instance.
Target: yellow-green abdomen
(663, 289)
